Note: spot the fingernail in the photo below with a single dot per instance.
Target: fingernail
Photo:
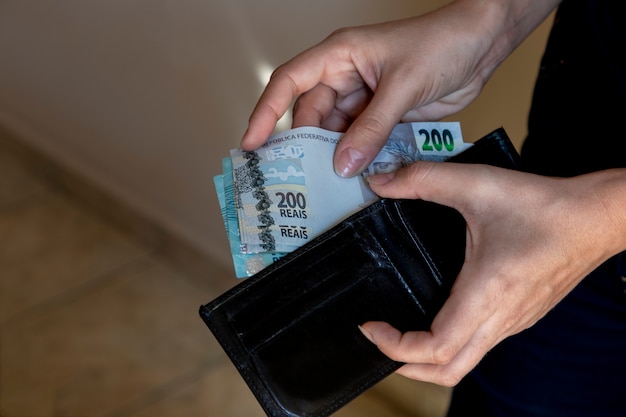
(242, 142)
(381, 179)
(367, 334)
(350, 162)
(244, 139)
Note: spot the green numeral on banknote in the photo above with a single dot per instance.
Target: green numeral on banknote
(437, 141)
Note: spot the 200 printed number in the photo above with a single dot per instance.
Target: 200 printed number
(292, 200)
(435, 140)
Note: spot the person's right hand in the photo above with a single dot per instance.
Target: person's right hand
(364, 80)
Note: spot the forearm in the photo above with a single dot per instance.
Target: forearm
(502, 24)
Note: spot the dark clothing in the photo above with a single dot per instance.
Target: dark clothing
(576, 122)
(573, 361)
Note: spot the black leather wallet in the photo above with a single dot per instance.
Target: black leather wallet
(291, 330)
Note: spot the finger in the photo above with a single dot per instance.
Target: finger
(465, 311)
(415, 349)
(462, 358)
(422, 347)
(288, 81)
(451, 184)
(451, 373)
(445, 370)
(371, 129)
(463, 331)
(323, 106)
(348, 108)
(314, 106)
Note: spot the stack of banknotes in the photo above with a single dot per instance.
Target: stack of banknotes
(284, 194)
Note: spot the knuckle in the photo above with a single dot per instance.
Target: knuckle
(416, 177)
(345, 34)
(279, 72)
(372, 128)
(421, 171)
(443, 355)
(450, 379)
(284, 75)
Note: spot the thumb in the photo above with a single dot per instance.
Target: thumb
(371, 129)
(450, 184)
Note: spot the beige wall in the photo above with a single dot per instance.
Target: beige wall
(144, 97)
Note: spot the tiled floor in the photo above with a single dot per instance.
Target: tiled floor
(92, 323)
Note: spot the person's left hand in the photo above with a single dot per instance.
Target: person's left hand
(530, 241)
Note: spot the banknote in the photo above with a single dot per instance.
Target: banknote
(245, 264)
(410, 142)
(285, 193)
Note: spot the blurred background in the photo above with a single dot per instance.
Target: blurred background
(114, 117)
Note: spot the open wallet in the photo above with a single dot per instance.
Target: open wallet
(291, 330)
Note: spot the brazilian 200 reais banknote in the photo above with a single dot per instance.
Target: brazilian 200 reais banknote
(280, 196)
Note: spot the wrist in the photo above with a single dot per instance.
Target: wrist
(593, 219)
(611, 197)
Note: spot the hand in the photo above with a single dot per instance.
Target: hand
(530, 240)
(366, 79)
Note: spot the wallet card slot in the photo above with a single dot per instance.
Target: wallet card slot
(438, 235)
(305, 292)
